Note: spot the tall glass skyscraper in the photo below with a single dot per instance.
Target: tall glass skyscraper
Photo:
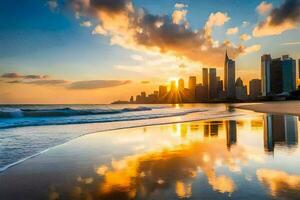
(229, 77)
(205, 82)
(213, 92)
(278, 75)
(266, 74)
(288, 74)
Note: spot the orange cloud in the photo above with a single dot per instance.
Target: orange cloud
(264, 8)
(178, 16)
(137, 29)
(232, 31)
(245, 37)
(280, 184)
(281, 19)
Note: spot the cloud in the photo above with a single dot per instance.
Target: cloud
(40, 82)
(47, 82)
(253, 48)
(86, 24)
(217, 19)
(11, 75)
(290, 43)
(96, 84)
(52, 4)
(178, 16)
(180, 5)
(280, 184)
(245, 37)
(137, 57)
(232, 31)
(264, 8)
(99, 30)
(281, 19)
(245, 24)
(137, 29)
(15, 75)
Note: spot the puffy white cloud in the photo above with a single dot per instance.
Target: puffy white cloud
(245, 37)
(86, 24)
(137, 29)
(178, 16)
(180, 5)
(232, 31)
(217, 19)
(264, 8)
(253, 48)
(99, 30)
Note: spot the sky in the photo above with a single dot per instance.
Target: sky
(99, 51)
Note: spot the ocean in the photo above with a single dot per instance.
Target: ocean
(29, 130)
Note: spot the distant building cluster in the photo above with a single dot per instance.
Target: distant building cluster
(278, 77)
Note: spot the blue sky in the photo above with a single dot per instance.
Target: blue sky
(36, 39)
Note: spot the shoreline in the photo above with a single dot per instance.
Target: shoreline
(6, 167)
(279, 107)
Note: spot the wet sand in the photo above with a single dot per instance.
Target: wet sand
(282, 107)
(216, 159)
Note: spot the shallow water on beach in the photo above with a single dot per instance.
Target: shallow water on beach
(254, 156)
(28, 130)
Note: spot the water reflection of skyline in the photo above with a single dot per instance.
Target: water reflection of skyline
(281, 130)
(187, 160)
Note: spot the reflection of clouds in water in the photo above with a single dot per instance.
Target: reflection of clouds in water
(281, 184)
(171, 164)
(183, 190)
(175, 168)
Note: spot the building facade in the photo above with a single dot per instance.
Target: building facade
(213, 90)
(255, 88)
(266, 74)
(229, 77)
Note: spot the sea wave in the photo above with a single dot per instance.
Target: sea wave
(100, 117)
(63, 112)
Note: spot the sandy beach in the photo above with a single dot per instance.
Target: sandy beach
(281, 107)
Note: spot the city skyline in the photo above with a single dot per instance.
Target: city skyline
(278, 81)
(69, 54)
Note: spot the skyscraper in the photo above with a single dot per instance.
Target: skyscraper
(299, 68)
(288, 74)
(173, 86)
(240, 89)
(225, 71)
(201, 93)
(213, 92)
(192, 87)
(205, 82)
(192, 82)
(255, 88)
(181, 85)
(276, 76)
(162, 91)
(265, 74)
(229, 77)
